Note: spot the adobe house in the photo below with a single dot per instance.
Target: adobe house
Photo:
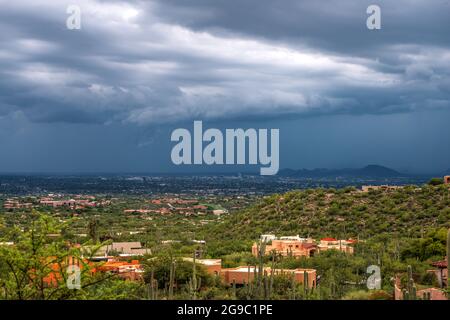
(58, 268)
(267, 237)
(294, 248)
(124, 270)
(334, 244)
(382, 187)
(119, 249)
(246, 274)
(434, 293)
(441, 272)
(212, 266)
(447, 180)
(304, 247)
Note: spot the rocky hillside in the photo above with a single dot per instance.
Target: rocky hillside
(407, 211)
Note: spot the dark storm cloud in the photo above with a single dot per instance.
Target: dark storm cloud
(335, 25)
(144, 62)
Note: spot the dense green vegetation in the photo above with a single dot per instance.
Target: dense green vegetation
(344, 213)
(396, 229)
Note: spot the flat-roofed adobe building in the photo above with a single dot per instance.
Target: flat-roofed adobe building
(441, 272)
(295, 247)
(212, 266)
(124, 270)
(334, 244)
(246, 274)
(303, 247)
(382, 188)
(118, 249)
(267, 237)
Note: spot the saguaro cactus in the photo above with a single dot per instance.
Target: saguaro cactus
(410, 293)
(293, 289)
(153, 287)
(248, 289)
(334, 289)
(266, 286)
(305, 283)
(249, 284)
(194, 282)
(261, 253)
(171, 279)
(260, 271)
(234, 289)
(271, 282)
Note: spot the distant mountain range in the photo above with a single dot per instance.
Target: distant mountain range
(370, 171)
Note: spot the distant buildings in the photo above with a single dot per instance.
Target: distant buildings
(58, 268)
(246, 274)
(174, 201)
(124, 270)
(382, 187)
(55, 201)
(295, 238)
(441, 272)
(434, 293)
(218, 212)
(169, 205)
(119, 249)
(296, 246)
(212, 266)
(170, 241)
(71, 203)
(447, 180)
(334, 244)
(267, 237)
(142, 211)
(14, 203)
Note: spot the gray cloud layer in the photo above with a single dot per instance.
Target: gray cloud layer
(146, 62)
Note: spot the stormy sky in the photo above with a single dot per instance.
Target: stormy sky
(107, 97)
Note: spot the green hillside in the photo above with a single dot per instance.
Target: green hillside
(347, 213)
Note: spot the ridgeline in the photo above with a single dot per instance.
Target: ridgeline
(345, 213)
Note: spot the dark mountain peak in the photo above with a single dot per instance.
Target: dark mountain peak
(379, 171)
(375, 166)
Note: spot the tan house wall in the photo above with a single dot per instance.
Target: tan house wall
(213, 269)
(286, 247)
(241, 275)
(435, 294)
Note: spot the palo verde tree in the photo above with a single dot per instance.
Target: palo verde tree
(35, 265)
